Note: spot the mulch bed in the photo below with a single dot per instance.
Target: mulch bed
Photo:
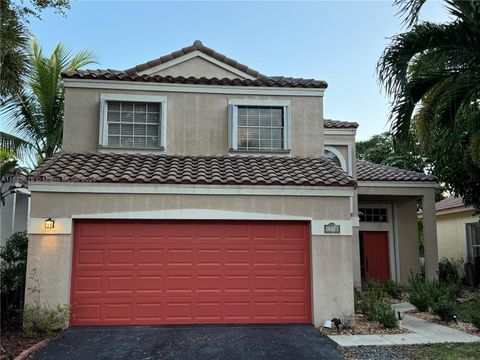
(12, 339)
(363, 327)
(459, 325)
(14, 342)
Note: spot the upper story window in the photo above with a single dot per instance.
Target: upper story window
(336, 156)
(260, 128)
(259, 125)
(132, 122)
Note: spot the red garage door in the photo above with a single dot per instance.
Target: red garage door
(190, 272)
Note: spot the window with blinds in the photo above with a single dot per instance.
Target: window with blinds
(133, 125)
(260, 128)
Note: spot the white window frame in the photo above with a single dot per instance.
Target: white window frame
(338, 154)
(233, 105)
(103, 130)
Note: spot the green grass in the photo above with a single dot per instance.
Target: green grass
(448, 351)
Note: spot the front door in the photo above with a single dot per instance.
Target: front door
(375, 255)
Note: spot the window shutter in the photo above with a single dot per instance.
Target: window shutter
(286, 127)
(232, 127)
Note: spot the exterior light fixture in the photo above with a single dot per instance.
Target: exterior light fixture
(49, 223)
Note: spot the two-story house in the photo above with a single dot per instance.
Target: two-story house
(192, 189)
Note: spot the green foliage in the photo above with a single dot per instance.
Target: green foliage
(14, 16)
(393, 289)
(375, 307)
(12, 269)
(469, 311)
(439, 296)
(40, 319)
(444, 307)
(432, 74)
(419, 293)
(36, 112)
(450, 271)
(382, 149)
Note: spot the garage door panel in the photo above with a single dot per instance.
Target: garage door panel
(184, 272)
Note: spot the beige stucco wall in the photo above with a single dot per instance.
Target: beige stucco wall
(451, 233)
(332, 279)
(197, 123)
(407, 230)
(197, 67)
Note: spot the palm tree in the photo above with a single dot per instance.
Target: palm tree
(432, 72)
(36, 111)
(13, 47)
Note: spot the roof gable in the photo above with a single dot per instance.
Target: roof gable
(197, 50)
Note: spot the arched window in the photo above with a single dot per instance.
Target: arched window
(336, 156)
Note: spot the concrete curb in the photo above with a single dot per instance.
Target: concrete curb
(26, 353)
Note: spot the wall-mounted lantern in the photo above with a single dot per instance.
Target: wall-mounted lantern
(49, 224)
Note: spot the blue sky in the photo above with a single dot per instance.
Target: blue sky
(336, 41)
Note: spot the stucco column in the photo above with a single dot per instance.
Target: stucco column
(430, 234)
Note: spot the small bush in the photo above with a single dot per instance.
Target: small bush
(419, 293)
(393, 289)
(13, 264)
(374, 306)
(444, 307)
(450, 271)
(440, 297)
(470, 311)
(41, 319)
(476, 319)
(389, 319)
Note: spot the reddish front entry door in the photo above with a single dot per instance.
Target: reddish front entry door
(375, 255)
(190, 272)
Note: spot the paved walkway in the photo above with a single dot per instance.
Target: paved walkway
(423, 332)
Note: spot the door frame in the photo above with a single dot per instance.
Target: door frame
(389, 227)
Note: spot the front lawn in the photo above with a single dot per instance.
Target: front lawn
(447, 351)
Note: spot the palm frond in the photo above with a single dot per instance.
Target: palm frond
(14, 145)
(409, 10)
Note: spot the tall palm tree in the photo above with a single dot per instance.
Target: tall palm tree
(13, 45)
(35, 112)
(432, 72)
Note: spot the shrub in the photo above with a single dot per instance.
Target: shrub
(450, 271)
(374, 306)
(444, 307)
(389, 319)
(40, 318)
(13, 264)
(424, 294)
(419, 293)
(393, 289)
(470, 311)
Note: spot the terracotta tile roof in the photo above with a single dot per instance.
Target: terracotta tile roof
(367, 171)
(196, 46)
(338, 124)
(132, 73)
(172, 169)
(123, 76)
(449, 203)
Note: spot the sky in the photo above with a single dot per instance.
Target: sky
(336, 41)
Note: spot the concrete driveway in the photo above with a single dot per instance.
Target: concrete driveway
(249, 342)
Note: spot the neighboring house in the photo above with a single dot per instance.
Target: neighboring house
(193, 189)
(14, 213)
(458, 229)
